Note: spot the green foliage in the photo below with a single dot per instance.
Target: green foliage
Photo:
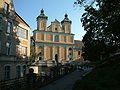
(104, 77)
(101, 21)
(33, 55)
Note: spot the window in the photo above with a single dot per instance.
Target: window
(24, 70)
(21, 50)
(6, 6)
(1, 23)
(21, 32)
(7, 73)
(70, 49)
(9, 28)
(56, 38)
(8, 48)
(18, 71)
(40, 53)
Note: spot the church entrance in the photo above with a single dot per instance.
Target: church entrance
(56, 58)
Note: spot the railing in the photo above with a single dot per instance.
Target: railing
(29, 84)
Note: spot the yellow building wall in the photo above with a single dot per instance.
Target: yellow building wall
(69, 39)
(49, 53)
(56, 50)
(39, 36)
(7, 1)
(68, 28)
(1, 3)
(25, 42)
(63, 39)
(48, 37)
(63, 53)
(42, 25)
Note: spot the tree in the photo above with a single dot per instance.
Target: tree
(101, 21)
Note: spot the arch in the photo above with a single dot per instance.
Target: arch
(56, 58)
(70, 49)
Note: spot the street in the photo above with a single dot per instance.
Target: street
(66, 82)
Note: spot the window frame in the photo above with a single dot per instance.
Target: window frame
(7, 72)
(8, 48)
(9, 27)
(24, 70)
(18, 71)
(56, 39)
(22, 31)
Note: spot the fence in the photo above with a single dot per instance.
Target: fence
(29, 84)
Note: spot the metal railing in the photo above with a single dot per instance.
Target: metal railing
(29, 84)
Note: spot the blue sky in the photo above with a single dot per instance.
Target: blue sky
(54, 9)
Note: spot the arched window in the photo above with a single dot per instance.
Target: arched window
(7, 72)
(70, 49)
(18, 71)
(40, 53)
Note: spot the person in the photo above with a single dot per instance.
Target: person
(31, 78)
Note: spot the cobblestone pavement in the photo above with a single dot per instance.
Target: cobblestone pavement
(65, 83)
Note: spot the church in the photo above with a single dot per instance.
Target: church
(54, 43)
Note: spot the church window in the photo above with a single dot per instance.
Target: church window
(56, 38)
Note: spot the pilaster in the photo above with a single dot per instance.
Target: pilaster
(53, 54)
(44, 36)
(66, 53)
(59, 54)
(44, 53)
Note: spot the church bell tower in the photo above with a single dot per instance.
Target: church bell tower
(42, 21)
(66, 24)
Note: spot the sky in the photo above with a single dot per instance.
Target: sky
(54, 9)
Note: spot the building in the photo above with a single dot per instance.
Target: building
(14, 42)
(78, 50)
(54, 43)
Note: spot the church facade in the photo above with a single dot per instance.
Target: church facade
(55, 42)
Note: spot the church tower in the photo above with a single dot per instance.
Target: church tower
(66, 24)
(42, 21)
